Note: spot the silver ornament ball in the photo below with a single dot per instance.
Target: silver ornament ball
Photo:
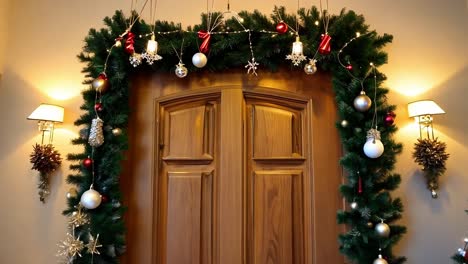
(72, 193)
(362, 102)
(373, 148)
(181, 71)
(382, 230)
(380, 260)
(310, 68)
(199, 60)
(91, 199)
(344, 123)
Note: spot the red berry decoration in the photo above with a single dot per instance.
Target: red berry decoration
(389, 118)
(349, 67)
(88, 162)
(282, 27)
(99, 107)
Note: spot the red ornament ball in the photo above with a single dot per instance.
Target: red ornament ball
(104, 198)
(389, 118)
(281, 27)
(349, 67)
(99, 107)
(88, 163)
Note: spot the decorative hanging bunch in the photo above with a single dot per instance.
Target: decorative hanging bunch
(431, 155)
(46, 160)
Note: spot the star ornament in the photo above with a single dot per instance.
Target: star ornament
(93, 245)
(252, 67)
(70, 247)
(78, 218)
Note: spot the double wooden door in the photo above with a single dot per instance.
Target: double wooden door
(227, 175)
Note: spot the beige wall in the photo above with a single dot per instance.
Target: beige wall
(428, 59)
(4, 7)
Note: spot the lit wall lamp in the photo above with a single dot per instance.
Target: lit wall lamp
(428, 151)
(44, 157)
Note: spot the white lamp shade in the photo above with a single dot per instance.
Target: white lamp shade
(424, 107)
(48, 112)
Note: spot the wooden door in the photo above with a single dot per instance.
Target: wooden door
(226, 175)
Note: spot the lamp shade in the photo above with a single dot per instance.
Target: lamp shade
(48, 112)
(424, 107)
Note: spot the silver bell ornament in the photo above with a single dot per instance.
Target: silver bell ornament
(362, 102)
(382, 230)
(373, 148)
(91, 199)
(380, 260)
(180, 70)
(311, 67)
(199, 60)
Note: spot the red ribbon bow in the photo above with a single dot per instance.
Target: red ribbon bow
(206, 36)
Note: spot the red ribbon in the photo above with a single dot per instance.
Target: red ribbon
(324, 47)
(206, 36)
(129, 48)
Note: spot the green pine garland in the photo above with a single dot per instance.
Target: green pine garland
(228, 51)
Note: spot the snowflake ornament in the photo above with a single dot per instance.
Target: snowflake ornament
(252, 67)
(150, 57)
(135, 59)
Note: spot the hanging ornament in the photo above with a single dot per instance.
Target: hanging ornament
(93, 245)
(281, 27)
(44, 159)
(151, 54)
(389, 118)
(70, 247)
(206, 37)
(296, 55)
(78, 218)
(380, 260)
(88, 163)
(180, 70)
(311, 67)
(373, 148)
(359, 185)
(90, 199)
(362, 102)
(96, 135)
(349, 67)
(101, 83)
(116, 131)
(325, 44)
(382, 230)
(344, 123)
(370, 224)
(72, 193)
(199, 60)
(354, 205)
(129, 42)
(98, 107)
(135, 59)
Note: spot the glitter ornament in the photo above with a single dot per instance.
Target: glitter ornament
(135, 59)
(72, 193)
(199, 60)
(180, 70)
(96, 135)
(93, 245)
(311, 67)
(362, 102)
(90, 199)
(373, 148)
(281, 27)
(70, 247)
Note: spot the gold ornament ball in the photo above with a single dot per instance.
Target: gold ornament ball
(380, 260)
(362, 102)
(116, 131)
(382, 230)
(344, 123)
(72, 193)
(310, 68)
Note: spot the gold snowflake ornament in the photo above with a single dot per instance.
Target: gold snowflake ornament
(93, 245)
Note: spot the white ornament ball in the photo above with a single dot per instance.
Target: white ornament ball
(373, 148)
(354, 205)
(380, 260)
(199, 60)
(181, 71)
(362, 102)
(90, 199)
(382, 229)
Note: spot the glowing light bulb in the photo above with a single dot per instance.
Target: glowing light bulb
(358, 34)
(316, 22)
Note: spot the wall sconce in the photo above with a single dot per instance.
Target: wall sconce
(44, 157)
(428, 151)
